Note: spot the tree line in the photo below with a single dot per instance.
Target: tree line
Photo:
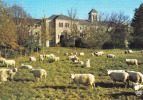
(113, 30)
(15, 39)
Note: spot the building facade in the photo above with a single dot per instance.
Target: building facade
(59, 26)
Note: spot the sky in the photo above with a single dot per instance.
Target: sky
(38, 8)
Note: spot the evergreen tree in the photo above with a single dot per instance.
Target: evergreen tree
(137, 24)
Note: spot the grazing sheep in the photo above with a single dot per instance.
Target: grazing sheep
(135, 77)
(10, 62)
(57, 58)
(26, 66)
(47, 56)
(2, 79)
(100, 53)
(83, 79)
(120, 77)
(39, 73)
(5, 73)
(87, 64)
(111, 56)
(71, 57)
(52, 59)
(32, 59)
(52, 55)
(132, 62)
(2, 60)
(78, 62)
(109, 71)
(128, 51)
(41, 59)
(137, 86)
(81, 54)
(75, 58)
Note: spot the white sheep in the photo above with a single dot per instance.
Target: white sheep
(78, 62)
(120, 77)
(100, 53)
(83, 79)
(111, 56)
(132, 62)
(39, 73)
(52, 55)
(10, 62)
(75, 58)
(52, 59)
(135, 77)
(47, 56)
(2, 79)
(137, 86)
(32, 59)
(4, 74)
(87, 64)
(57, 58)
(9, 72)
(71, 57)
(128, 51)
(26, 66)
(2, 60)
(41, 59)
(81, 54)
(109, 71)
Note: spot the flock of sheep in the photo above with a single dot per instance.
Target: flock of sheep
(116, 75)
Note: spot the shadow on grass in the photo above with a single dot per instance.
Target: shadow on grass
(22, 80)
(109, 85)
(116, 95)
(60, 87)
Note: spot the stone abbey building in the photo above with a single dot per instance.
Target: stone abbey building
(58, 26)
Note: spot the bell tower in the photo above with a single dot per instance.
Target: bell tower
(93, 16)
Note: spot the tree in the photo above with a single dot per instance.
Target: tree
(119, 30)
(137, 24)
(7, 28)
(23, 20)
(46, 32)
(74, 34)
(95, 37)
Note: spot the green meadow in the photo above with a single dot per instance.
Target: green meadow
(58, 85)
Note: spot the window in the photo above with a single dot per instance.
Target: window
(66, 24)
(60, 24)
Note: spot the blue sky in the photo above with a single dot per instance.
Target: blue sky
(37, 8)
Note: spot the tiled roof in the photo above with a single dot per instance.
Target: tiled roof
(64, 17)
(93, 11)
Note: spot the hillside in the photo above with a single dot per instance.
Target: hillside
(58, 86)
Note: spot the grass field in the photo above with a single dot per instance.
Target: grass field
(58, 86)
